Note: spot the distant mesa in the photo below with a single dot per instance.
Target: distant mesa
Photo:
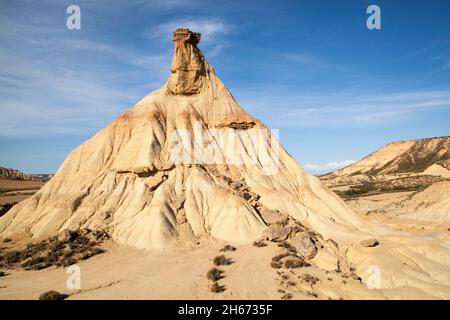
(13, 174)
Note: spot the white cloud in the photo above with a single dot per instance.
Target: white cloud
(283, 108)
(318, 169)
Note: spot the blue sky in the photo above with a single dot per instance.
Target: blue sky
(335, 90)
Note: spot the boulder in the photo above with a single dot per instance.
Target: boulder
(369, 243)
(276, 233)
(304, 245)
(272, 216)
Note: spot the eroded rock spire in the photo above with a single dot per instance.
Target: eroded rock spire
(188, 65)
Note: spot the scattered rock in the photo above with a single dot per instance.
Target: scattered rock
(272, 216)
(276, 233)
(53, 295)
(236, 185)
(304, 245)
(370, 243)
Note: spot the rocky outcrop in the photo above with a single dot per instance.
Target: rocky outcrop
(188, 68)
(147, 180)
(396, 159)
(13, 174)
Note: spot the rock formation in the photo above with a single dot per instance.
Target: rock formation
(187, 162)
(13, 174)
(142, 180)
(397, 159)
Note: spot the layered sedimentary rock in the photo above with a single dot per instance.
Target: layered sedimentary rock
(167, 169)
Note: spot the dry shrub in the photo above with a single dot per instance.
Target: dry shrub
(216, 288)
(228, 248)
(287, 296)
(222, 261)
(292, 264)
(260, 244)
(214, 274)
(52, 295)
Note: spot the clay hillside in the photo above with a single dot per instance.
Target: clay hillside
(404, 179)
(185, 195)
(412, 164)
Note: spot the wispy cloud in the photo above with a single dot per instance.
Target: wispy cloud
(55, 82)
(349, 108)
(318, 169)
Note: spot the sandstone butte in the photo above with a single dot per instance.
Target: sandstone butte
(126, 181)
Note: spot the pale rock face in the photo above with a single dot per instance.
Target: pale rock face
(303, 243)
(126, 180)
(188, 68)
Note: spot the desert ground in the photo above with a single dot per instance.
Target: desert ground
(13, 191)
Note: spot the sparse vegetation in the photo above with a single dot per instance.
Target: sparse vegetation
(260, 244)
(53, 295)
(287, 296)
(280, 256)
(228, 248)
(275, 265)
(309, 278)
(297, 263)
(222, 261)
(214, 274)
(60, 251)
(5, 208)
(216, 288)
(413, 183)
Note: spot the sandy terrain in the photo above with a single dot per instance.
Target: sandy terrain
(12, 191)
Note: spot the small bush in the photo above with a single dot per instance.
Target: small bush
(214, 274)
(62, 250)
(287, 296)
(275, 265)
(216, 288)
(52, 295)
(279, 257)
(228, 248)
(310, 279)
(292, 264)
(222, 261)
(6, 240)
(2, 274)
(260, 244)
